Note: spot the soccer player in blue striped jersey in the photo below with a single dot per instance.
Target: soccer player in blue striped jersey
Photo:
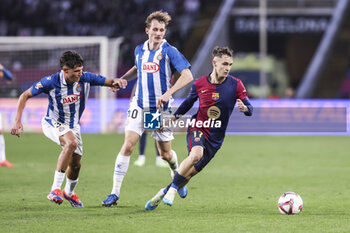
(6, 74)
(218, 93)
(67, 92)
(155, 62)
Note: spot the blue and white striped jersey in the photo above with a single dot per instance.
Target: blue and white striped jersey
(66, 102)
(155, 69)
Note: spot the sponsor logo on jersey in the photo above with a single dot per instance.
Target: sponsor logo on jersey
(203, 91)
(78, 88)
(70, 99)
(60, 129)
(215, 96)
(214, 112)
(38, 85)
(150, 67)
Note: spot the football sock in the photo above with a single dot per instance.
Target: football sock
(70, 186)
(167, 188)
(178, 180)
(157, 151)
(58, 180)
(173, 161)
(170, 195)
(142, 143)
(2, 149)
(120, 169)
(158, 197)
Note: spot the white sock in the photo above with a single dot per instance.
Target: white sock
(2, 149)
(170, 195)
(70, 186)
(58, 180)
(120, 169)
(173, 165)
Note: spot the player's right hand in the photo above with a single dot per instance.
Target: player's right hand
(17, 129)
(163, 100)
(119, 83)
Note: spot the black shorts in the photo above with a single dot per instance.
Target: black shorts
(196, 138)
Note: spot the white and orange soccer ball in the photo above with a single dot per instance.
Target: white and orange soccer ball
(290, 203)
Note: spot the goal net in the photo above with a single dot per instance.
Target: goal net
(32, 58)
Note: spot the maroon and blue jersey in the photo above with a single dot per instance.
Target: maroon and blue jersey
(216, 103)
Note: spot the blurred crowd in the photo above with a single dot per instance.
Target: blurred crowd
(112, 18)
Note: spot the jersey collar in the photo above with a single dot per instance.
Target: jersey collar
(62, 78)
(216, 84)
(145, 45)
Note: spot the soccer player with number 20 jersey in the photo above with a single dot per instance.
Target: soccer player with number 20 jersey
(155, 62)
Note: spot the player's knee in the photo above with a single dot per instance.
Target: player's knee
(195, 157)
(76, 166)
(166, 155)
(72, 145)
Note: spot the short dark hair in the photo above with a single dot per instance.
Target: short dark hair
(161, 16)
(71, 59)
(219, 51)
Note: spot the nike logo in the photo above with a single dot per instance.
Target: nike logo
(202, 91)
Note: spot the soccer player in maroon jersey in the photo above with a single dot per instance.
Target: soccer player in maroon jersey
(218, 93)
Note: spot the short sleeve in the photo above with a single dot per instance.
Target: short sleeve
(177, 59)
(95, 79)
(42, 86)
(7, 74)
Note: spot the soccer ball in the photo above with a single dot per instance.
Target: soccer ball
(290, 203)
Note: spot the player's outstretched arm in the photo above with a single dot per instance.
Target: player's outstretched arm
(245, 106)
(116, 83)
(184, 79)
(6, 73)
(130, 74)
(17, 128)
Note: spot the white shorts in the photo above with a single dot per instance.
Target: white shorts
(134, 123)
(53, 130)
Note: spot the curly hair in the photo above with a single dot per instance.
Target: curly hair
(161, 16)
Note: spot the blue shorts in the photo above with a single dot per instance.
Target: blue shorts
(196, 138)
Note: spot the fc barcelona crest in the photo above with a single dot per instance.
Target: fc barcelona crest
(215, 96)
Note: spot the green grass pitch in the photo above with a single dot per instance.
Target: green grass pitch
(236, 192)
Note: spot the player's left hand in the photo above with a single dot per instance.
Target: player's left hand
(163, 99)
(241, 106)
(17, 129)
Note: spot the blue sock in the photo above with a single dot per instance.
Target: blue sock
(142, 143)
(178, 180)
(166, 189)
(157, 151)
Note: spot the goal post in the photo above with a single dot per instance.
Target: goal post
(31, 58)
